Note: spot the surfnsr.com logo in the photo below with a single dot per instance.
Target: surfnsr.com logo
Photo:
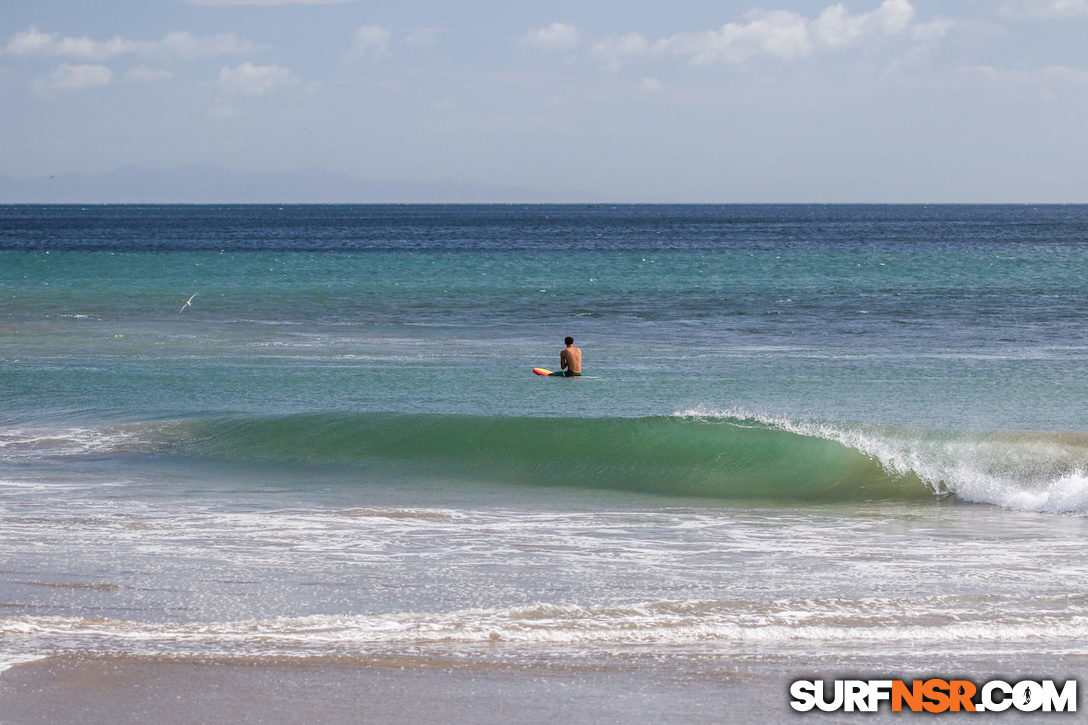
(933, 695)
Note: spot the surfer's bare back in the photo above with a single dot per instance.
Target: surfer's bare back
(570, 359)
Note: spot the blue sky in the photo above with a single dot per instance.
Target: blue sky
(757, 101)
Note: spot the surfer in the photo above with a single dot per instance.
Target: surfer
(570, 360)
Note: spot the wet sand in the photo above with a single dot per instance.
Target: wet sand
(137, 690)
(123, 690)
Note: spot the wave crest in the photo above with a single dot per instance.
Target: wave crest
(1024, 470)
(729, 455)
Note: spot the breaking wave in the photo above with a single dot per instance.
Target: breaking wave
(713, 454)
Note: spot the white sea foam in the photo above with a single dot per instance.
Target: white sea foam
(661, 623)
(1020, 470)
(7, 661)
(22, 444)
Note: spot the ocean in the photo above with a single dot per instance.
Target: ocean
(809, 441)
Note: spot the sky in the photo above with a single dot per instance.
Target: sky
(690, 101)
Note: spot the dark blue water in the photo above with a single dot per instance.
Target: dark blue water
(507, 228)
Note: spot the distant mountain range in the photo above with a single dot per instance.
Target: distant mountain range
(209, 184)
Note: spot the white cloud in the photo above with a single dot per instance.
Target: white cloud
(613, 51)
(557, 36)
(75, 78)
(255, 80)
(176, 45)
(650, 85)
(782, 34)
(1044, 8)
(186, 46)
(837, 28)
(35, 42)
(370, 40)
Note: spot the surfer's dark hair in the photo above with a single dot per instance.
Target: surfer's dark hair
(568, 341)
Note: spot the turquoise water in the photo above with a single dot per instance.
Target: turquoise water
(962, 317)
(788, 415)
